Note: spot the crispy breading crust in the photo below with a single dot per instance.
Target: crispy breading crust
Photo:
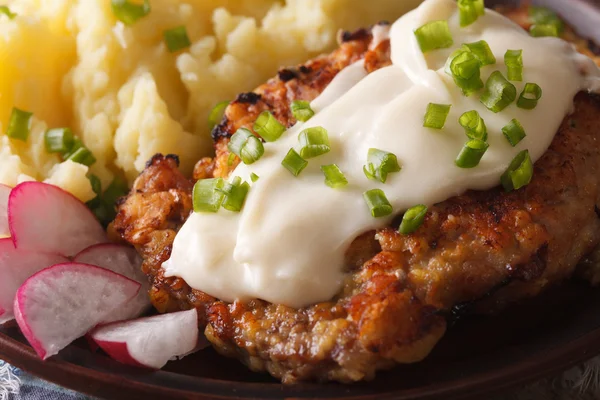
(487, 249)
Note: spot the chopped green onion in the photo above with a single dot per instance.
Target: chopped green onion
(301, 110)
(246, 146)
(519, 172)
(267, 127)
(253, 177)
(474, 125)
(82, 156)
(471, 154)
(230, 159)
(435, 116)
(482, 51)
(413, 219)
(379, 164)
(19, 124)
(465, 68)
(206, 195)
(378, 203)
(514, 132)
(545, 16)
(470, 11)
(514, 64)
(216, 114)
(543, 30)
(96, 184)
(334, 177)
(177, 39)
(59, 140)
(530, 96)
(6, 11)
(314, 142)
(235, 194)
(128, 12)
(294, 163)
(498, 93)
(434, 35)
(77, 144)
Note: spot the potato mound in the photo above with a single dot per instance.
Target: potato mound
(73, 64)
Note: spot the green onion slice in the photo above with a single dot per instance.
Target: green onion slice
(230, 159)
(413, 219)
(519, 172)
(6, 11)
(128, 12)
(253, 177)
(177, 39)
(498, 93)
(514, 64)
(82, 156)
(471, 154)
(545, 16)
(294, 163)
(267, 127)
(216, 114)
(542, 30)
(481, 50)
(470, 11)
(96, 184)
(379, 164)
(465, 68)
(434, 35)
(207, 195)
(530, 96)
(19, 124)
(117, 189)
(301, 110)
(246, 146)
(314, 142)
(474, 125)
(59, 140)
(378, 203)
(435, 116)
(334, 177)
(235, 193)
(514, 132)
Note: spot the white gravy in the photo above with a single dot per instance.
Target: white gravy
(287, 245)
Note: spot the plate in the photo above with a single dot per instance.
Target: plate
(477, 357)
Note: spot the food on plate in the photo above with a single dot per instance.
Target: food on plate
(105, 76)
(152, 341)
(449, 159)
(4, 193)
(63, 302)
(37, 210)
(122, 260)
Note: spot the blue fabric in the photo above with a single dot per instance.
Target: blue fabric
(16, 384)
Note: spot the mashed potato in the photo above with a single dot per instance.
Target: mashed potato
(73, 64)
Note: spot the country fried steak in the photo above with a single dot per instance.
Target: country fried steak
(488, 249)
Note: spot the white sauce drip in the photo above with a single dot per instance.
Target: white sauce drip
(287, 245)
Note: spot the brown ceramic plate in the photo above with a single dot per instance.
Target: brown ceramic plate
(479, 355)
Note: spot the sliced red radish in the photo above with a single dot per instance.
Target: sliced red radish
(61, 303)
(152, 341)
(47, 219)
(4, 193)
(15, 267)
(125, 261)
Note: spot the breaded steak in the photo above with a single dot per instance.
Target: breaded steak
(486, 248)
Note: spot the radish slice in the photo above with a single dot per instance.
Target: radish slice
(47, 219)
(150, 342)
(15, 267)
(63, 302)
(4, 193)
(125, 261)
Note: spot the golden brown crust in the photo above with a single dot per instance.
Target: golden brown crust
(482, 248)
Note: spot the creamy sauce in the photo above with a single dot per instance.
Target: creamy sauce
(287, 245)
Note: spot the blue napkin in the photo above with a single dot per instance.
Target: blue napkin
(16, 384)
